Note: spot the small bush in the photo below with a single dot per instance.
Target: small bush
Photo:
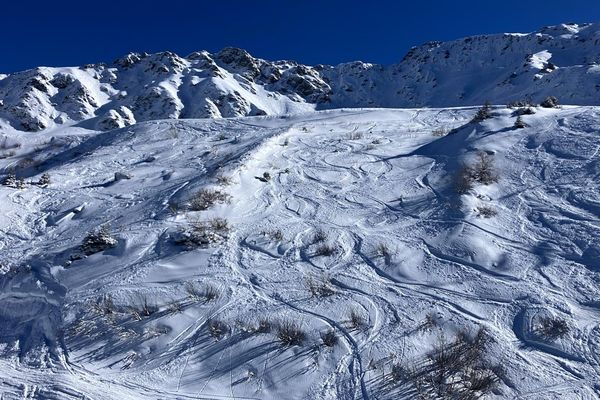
(290, 333)
(206, 198)
(12, 181)
(97, 241)
(319, 237)
(463, 181)
(383, 250)
(266, 177)
(104, 305)
(525, 111)
(264, 325)
(206, 294)
(44, 180)
(483, 171)
(223, 180)
(329, 338)
(175, 307)
(486, 211)
(204, 233)
(320, 287)
(274, 234)
(520, 104)
(485, 112)
(552, 328)
(549, 102)
(324, 250)
(217, 328)
(143, 308)
(356, 320)
(519, 123)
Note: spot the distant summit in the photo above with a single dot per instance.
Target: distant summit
(562, 61)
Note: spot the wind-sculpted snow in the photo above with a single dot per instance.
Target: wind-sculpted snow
(561, 61)
(342, 221)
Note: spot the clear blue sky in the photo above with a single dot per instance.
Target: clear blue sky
(58, 33)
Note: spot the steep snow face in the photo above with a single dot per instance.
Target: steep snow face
(560, 61)
(342, 221)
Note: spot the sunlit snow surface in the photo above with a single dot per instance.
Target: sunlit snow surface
(363, 177)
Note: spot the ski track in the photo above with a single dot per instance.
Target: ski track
(363, 177)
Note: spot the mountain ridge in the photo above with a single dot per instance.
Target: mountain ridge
(561, 60)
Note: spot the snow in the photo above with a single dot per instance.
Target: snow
(500, 68)
(364, 177)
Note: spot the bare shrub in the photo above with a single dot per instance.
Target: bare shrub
(482, 171)
(98, 240)
(206, 198)
(274, 234)
(463, 181)
(104, 305)
(428, 323)
(223, 180)
(266, 177)
(319, 287)
(458, 369)
(175, 307)
(204, 294)
(552, 328)
(486, 211)
(324, 250)
(290, 333)
(356, 320)
(382, 250)
(319, 237)
(203, 233)
(44, 180)
(329, 338)
(142, 308)
(217, 328)
(264, 325)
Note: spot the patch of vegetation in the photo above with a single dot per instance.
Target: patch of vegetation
(206, 198)
(552, 328)
(485, 112)
(290, 333)
(204, 233)
(319, 287)
(329, 338)
(98, 240)
(549, 102)
(482, 171)
(486, 211)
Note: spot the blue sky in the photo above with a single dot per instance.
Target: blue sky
(58, 33)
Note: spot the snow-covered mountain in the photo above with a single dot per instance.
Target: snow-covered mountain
(562, 61)
(326, 246)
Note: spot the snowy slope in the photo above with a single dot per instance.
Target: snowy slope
(414, 260)
(561, 61)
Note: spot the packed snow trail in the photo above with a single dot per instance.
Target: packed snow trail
(344, 221)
